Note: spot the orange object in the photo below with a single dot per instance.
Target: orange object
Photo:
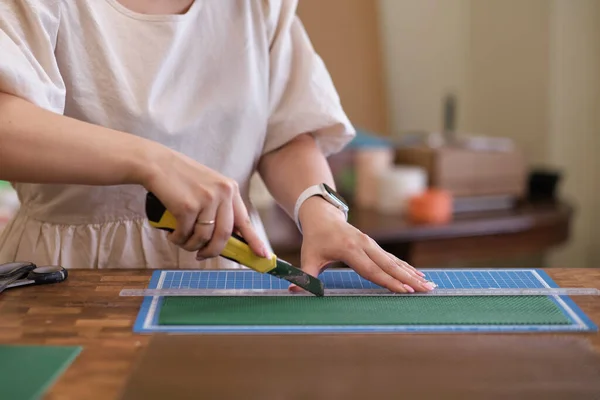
(434, 206)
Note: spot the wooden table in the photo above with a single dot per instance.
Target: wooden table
(86, 310)
(476, 238)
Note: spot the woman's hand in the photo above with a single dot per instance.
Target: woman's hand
(40, 146)
(329, 238)
(208, 207)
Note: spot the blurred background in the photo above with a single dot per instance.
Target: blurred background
(479, 125)
(497, 101)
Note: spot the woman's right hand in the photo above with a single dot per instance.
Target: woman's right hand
(197, 195)
(41, 146)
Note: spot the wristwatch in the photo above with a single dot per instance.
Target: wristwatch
(327, 193)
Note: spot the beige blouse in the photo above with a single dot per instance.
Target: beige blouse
(224, 83)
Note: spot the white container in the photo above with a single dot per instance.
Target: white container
(397, 185)
(370, 163)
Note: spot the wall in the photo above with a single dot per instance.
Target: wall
(508, 84)
(574, 136)
(492, 54)
(596, 217)
(426, 56)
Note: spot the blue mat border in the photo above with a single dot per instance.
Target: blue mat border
(150, 309)
(569, 301)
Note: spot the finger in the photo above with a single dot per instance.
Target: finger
(398, 273)
(372, 272)
(245, 228)
(203, 230)
(221, 234)
(411, 270)
(400, 262)
(186, 218)
(404, 265)
(407, 265)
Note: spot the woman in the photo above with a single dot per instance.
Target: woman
(102, 101)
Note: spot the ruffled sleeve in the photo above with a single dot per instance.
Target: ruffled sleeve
(303, 98)
(28, 68)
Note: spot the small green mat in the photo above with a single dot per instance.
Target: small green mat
(27, 372)
(384, 310)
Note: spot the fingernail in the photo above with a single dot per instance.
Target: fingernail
(429, 286)
(410, 289)
(420, 273)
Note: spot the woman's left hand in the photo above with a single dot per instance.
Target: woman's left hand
(328, 238)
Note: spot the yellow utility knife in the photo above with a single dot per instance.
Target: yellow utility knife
(238, 250)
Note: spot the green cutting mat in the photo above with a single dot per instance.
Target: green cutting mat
(27, 372)
(385, 310)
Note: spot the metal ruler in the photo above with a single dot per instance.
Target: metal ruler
(365, 292)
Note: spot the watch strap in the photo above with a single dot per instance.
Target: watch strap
(315, 190)
(309, 192)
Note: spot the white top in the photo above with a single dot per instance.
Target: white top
(224, 83)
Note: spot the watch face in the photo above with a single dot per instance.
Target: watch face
(335, 195)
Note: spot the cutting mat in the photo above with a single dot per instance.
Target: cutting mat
(148, 317)
(28, 371)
